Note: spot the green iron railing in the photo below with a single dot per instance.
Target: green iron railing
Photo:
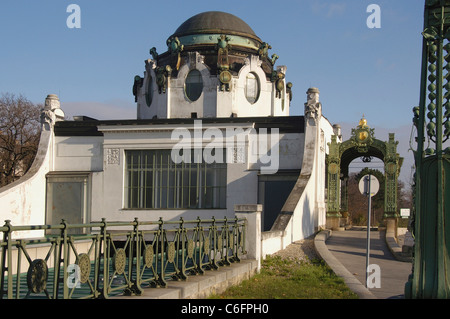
(430, 273)
(117, 258)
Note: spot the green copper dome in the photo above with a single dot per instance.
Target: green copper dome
(204, 28)
(215, 22)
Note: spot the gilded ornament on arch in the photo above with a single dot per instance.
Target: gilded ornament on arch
(363, 122)
(363, 135)
(37, 276)
(84, 264)
(333, 168)
(390, 168)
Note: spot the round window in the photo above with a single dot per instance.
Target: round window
(193, 86)
(252, 87)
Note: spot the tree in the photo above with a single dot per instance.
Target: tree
(19, 136)
(357, 203)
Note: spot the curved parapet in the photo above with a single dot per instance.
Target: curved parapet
(23, 201)
(304, 210)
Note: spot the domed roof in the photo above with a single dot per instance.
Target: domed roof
(215, 22)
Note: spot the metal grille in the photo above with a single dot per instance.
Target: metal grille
(118, 257)
(154, 181)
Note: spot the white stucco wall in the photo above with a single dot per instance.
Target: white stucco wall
(309, 209)
(212, 102)
(108, 186)
(78, 153)
(23, 201)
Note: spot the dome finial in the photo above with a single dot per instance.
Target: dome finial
(363, 122)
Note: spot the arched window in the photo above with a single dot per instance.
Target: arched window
(252, 87)
(193, 85)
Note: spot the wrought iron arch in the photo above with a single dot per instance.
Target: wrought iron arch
(361, 143)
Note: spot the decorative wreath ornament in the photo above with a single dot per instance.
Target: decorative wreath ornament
(119, 261)
(37, 276)
(206, 245)
(84, 263)
(148, 256)
(190, 248)
(219, 242)
(171, 252)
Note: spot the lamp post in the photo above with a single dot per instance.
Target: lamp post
(368, 186)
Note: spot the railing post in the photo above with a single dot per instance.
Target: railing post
(57, 266)
(65, 259)
(97, 263)
(136, 284)
(214, 264)
(201, 243)
(105, 259)
(182, 236)
(235, 235)
(252, 213)
(227, 242)
(162, 249)
(7, 259)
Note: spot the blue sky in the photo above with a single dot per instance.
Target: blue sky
(323, 43)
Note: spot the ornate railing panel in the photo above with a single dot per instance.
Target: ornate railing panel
(114, 257)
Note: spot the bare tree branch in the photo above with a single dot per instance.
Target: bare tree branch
(19, 136)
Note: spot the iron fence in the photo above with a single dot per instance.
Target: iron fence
(104, 259)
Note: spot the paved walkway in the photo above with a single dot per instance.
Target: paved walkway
(349, 248)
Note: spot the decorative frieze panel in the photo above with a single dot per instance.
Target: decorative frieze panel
(113, 156)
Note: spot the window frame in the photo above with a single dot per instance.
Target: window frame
(190, 91)
(173, 186)
(252, 99)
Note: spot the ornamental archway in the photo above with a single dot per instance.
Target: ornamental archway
(363, 144)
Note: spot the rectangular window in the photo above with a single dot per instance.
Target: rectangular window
(154, 181)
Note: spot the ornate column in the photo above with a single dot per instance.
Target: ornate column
(391, 172)
(333, 184)
(344, 200)
(430, 277)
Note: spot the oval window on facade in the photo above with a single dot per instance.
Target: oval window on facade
(252, 87)
(149, 93)
(193, 86)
